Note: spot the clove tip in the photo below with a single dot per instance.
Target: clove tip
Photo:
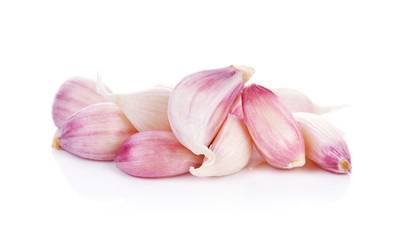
(210, 155)
(247, 71)
(193, 171)
(299, 162)
(345, 166)
(102, 90)
(56, 143)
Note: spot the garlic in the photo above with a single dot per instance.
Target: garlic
(73, 95)
(200, 103)
(323, 143)
(296, 101)
(232, 147)
(146, 109)
(155, 154)
(274, 131)
(94, 132)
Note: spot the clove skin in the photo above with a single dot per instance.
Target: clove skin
(152, 154)
(324, 144)
(272, 127)
(94, 132)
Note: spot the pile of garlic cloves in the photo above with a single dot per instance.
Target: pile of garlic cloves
(209, 124)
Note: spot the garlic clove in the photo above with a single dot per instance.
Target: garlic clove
(274, 131)
(323, 143)
(296, 101)
(73, 95)
(146, 109)
(94, 132)
(200, 103)
(155, 154)
(232, 147)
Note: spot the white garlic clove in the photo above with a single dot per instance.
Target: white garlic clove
(296, 101)
(324, 144)
(232, 147)
(94, 132)
(200, 103)
(146, 109)
(274, 131)
(155, 154)
(73, 95)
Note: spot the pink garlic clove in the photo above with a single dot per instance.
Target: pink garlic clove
(94, 132)
(155, 154)
(324, 144)
(274, 131)
(200, 103)
(73, 95)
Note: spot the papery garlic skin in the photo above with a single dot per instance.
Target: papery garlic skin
(274, 131)
(296, 101)
(154, 154)
(232, 147)
(200, 103)
(73, 95)
(146, 109)
(94, 132)
(324, 144)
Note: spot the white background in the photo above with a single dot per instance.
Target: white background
(350, 52)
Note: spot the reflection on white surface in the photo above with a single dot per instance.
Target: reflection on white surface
(102, 181)
(91, 179)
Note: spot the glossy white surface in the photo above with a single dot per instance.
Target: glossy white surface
(346, 52)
